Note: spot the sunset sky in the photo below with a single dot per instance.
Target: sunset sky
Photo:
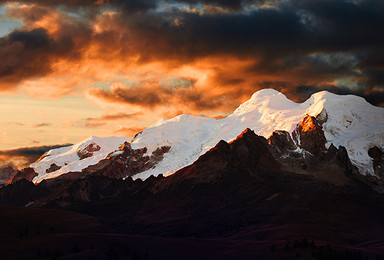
(75, 68)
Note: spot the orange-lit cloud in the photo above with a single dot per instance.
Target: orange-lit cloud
(128, 131)
(154, 59)
(22, 157)
(100, 121)
(234, 50)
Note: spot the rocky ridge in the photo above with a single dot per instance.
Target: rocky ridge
(126, 161)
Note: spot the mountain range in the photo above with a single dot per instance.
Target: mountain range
(347, 120)
(273, 180)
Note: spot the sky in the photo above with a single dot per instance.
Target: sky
(71, 69)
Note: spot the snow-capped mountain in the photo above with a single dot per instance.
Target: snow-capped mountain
(347, 120)
(75, 157)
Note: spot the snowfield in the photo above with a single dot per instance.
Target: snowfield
(350, 121)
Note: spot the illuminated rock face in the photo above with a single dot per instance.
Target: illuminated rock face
(10, 175)
(309, 135)
(26, 173)
(6, 174)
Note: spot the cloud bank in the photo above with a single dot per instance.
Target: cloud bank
(226, 50)
(23, 157)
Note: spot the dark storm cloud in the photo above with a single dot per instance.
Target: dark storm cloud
(56, 2)
(151, 94)
(301, 40)
(27, 53)
(301, 43)
(31, 151)
(274, 34)
(134, 95)
(303, 92)
(128, 6)
(231, 4)
(133, 6)
(22, 157)
(258, 33)
(139, 5)
(29, 45)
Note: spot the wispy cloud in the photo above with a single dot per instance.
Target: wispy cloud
(100, 121)
(128, 131)
(41, 125)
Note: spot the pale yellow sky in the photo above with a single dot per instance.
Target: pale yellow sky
(28, 121)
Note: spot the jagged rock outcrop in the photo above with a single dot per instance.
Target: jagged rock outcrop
(254, 151)
(304, 152)
(377, 156)
(248, 153)
(6, 174)
(281, 141)
(158, 154)
(52, 168)
(88, 150)
(127, 161)
(26, 173)
(309, 135)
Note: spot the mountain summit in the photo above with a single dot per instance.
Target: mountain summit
(343, 120)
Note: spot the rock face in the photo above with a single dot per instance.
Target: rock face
(127, 161)
(255, 154)
(377, 156)
(309, 135)
(26, 173)
(248, 153)
(281, 141)
(52, 168)
(304, 152)
(6, 174)
(88, 150)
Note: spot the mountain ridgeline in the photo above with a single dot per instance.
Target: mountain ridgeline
(276, 189)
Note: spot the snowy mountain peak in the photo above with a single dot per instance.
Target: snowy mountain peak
(346, 120)
(266, 94)
(262, 99)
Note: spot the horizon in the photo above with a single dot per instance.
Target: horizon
(103, 68)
